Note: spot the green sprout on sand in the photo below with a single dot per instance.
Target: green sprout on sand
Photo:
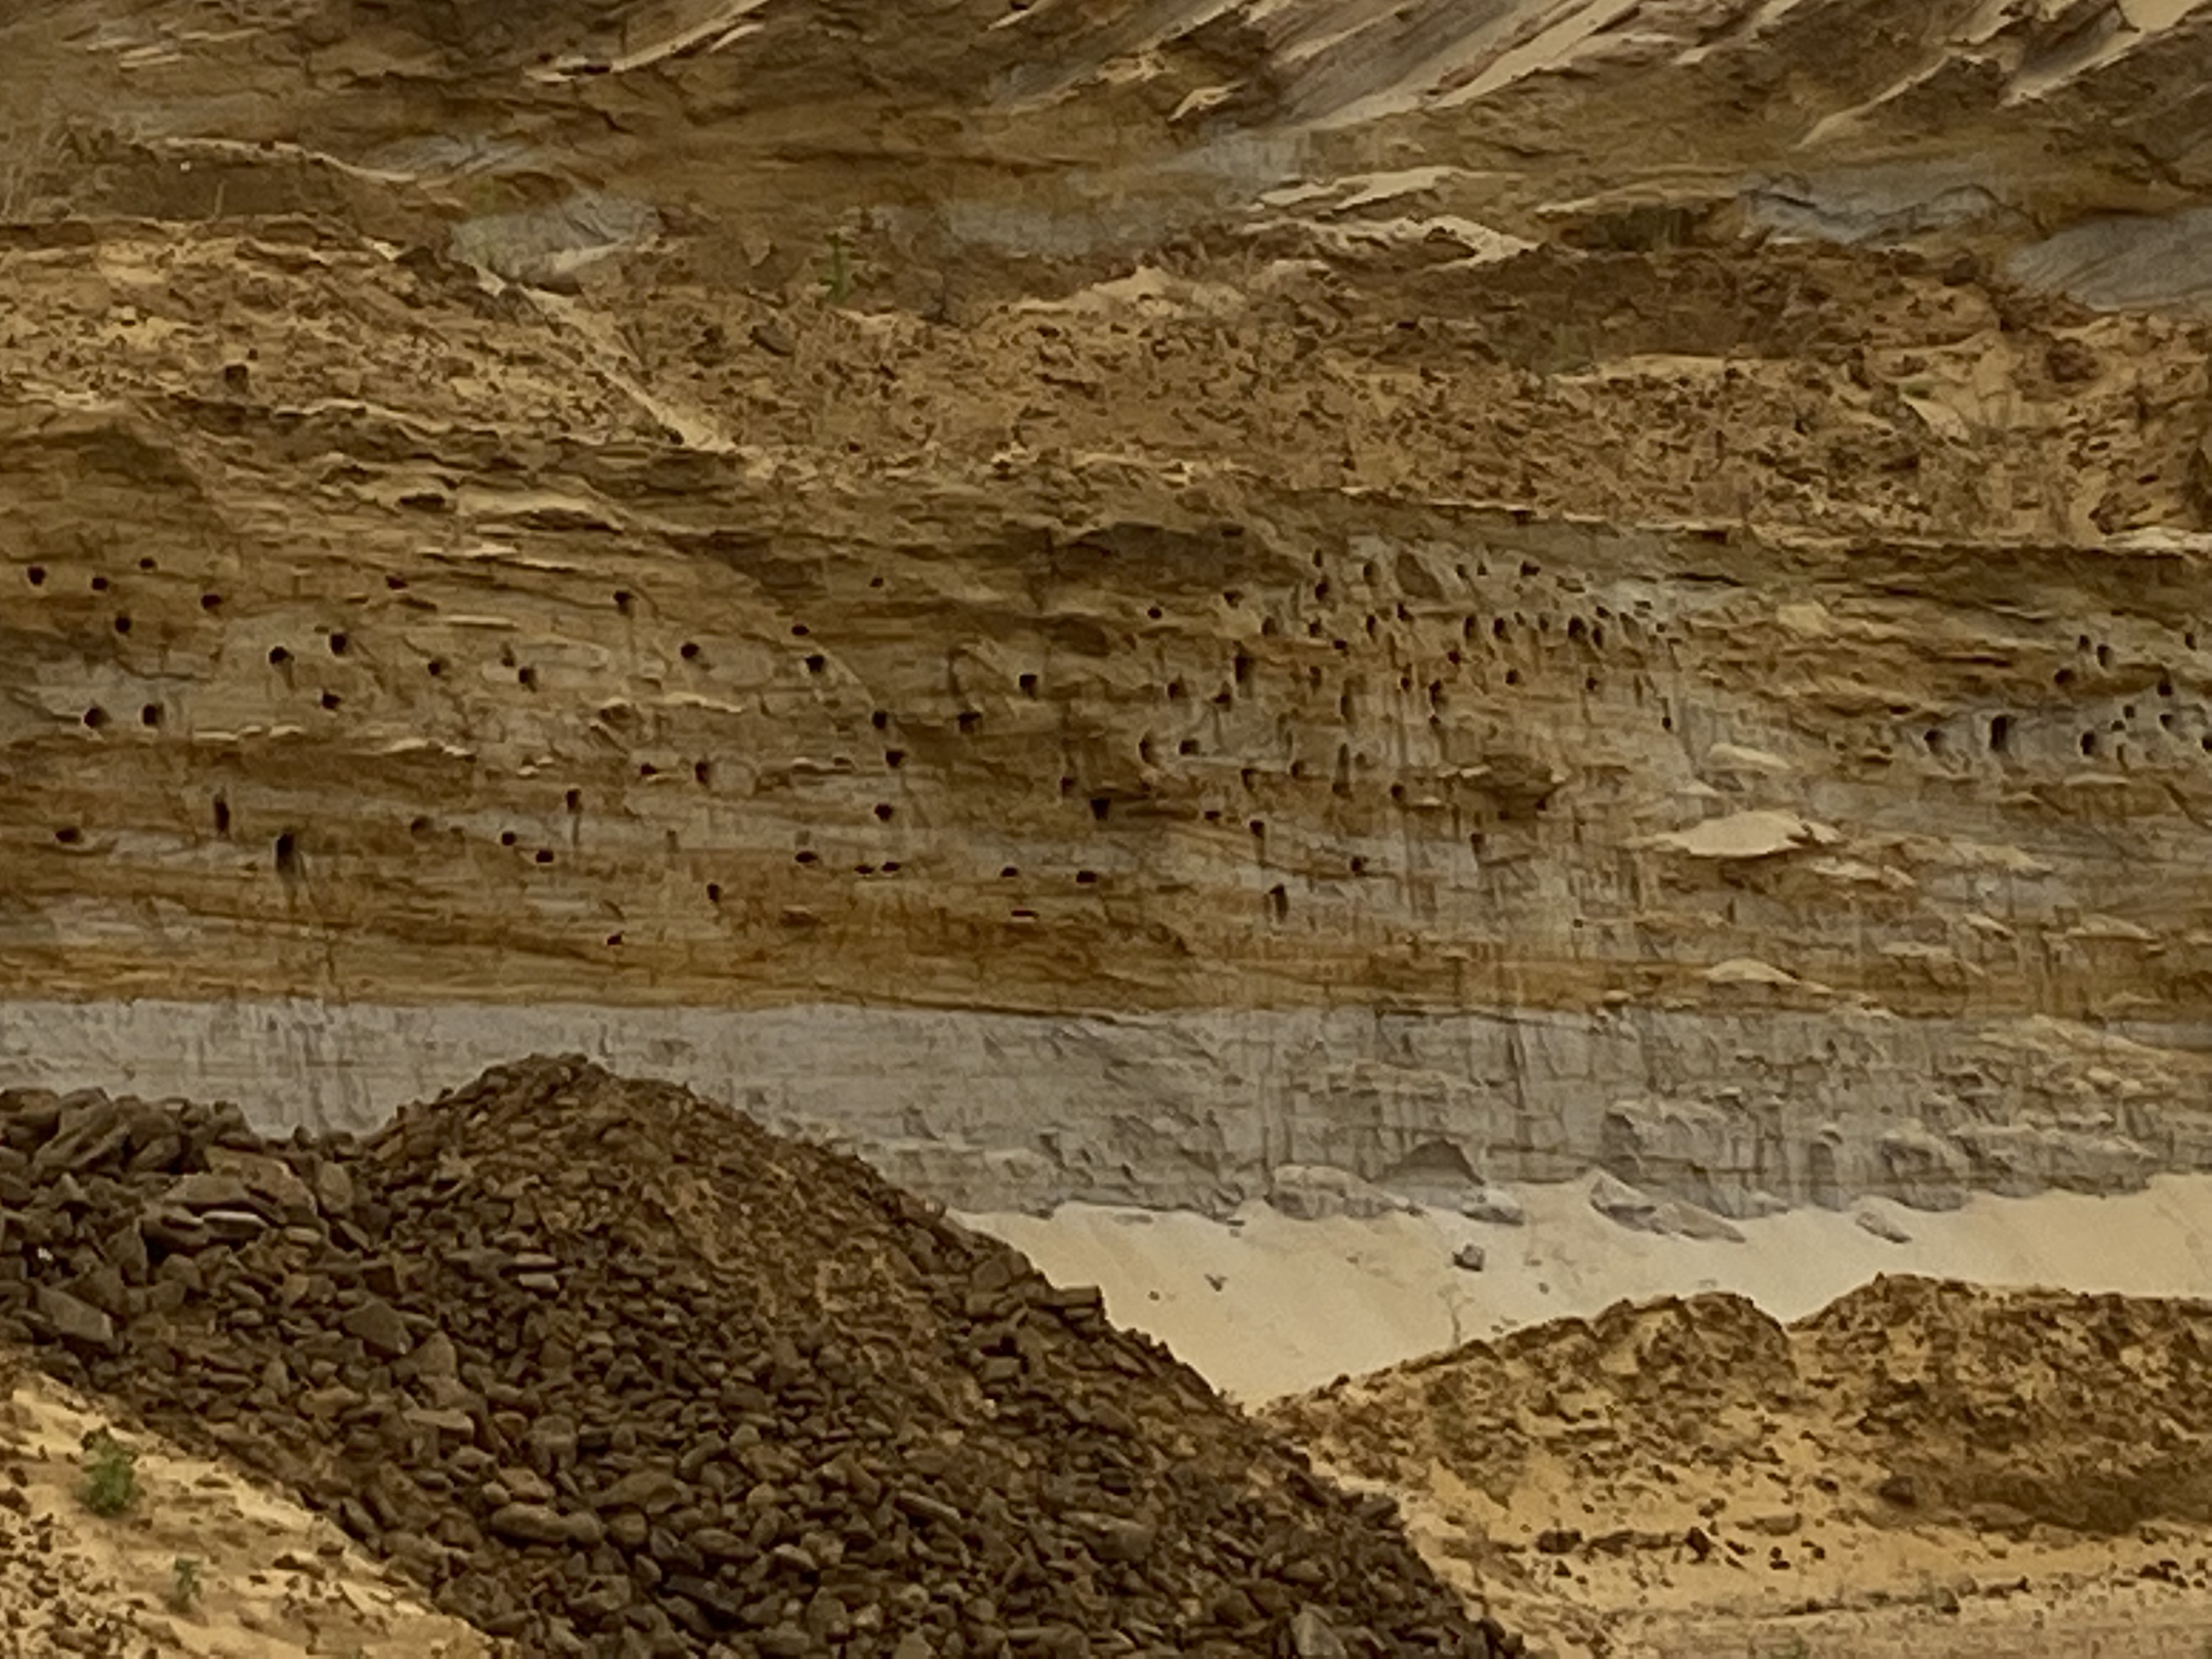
(111, 1475)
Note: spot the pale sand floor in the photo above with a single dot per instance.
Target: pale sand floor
(1265, 1306)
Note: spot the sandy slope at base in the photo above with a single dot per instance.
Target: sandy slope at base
(266, 1580)
(1298, 1303)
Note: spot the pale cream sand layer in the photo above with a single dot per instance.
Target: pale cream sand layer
(1263, 1306)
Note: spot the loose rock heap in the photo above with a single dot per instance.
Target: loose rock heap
(613, 1370)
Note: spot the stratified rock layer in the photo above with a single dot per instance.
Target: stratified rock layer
(569, 515)
(1742, 859)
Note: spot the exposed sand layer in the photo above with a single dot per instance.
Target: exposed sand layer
(204, 1563)
(1298, 1303)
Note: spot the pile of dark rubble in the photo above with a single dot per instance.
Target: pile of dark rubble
(613, 1370)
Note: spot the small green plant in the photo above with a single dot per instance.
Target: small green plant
(183, 1585)
(111, 1474)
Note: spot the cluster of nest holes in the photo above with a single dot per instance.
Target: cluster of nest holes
(150, 715)
(287, 854)
(807, 858)
(2001, 732)
(968, 721)
(510, 838)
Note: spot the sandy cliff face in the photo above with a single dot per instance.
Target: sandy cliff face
(1077, 618)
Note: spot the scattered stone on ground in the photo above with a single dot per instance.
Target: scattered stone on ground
(615, 1371)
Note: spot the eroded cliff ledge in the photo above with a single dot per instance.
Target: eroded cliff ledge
(1345, 687)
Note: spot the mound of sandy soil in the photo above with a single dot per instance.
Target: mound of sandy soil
(202, 1563)
(1942, 1400)
(615, 1371)
(1917, 1452)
